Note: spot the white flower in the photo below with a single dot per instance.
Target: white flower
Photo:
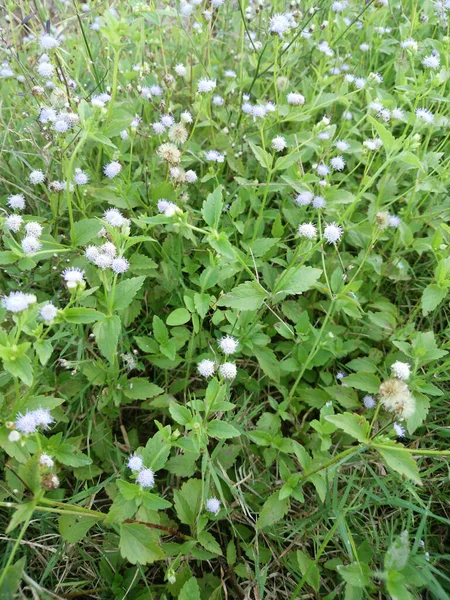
(112, 169)
(191, 176)
(369, 401)
(399, 430)
(338, 163)
(325, 48)
(73, 276)
(91, 253)
(61, 125)
(103, 261)
(80, 177)
(48, 312)
(373, 144)
(332, 233)
(17, 301)
(47, 115)
(322, 170)
(135, 463)
(230, 73)
(43, 417)
(396, 398)
(213, 505)
(376, 106)
(169, 209)
(228, 344)
(304, 198)
(158, 128)
(30, 244)
(48, 42)
(259, 111)
(167, 120)
(281, 23)
(180, 70)
(45, 69)
(401, 370)
(338, 7)
(146, 478)
(307, 230)
(14, 436)
(16, 201)
(206, 85)
(98, 101)
(432, 61)
(124, 135)
(114, 217)
(34, 229)
(186, 117)
(295, 99)
(214, 156)
(360, 82)
(228, 370)
(319, 202)
(218, 101)
(108, 248)
(364, 47)
(398, 113)
(13, 223)
(342, 145)
(394, 221)
(410, 43)
(46, 461)
(156, 90)
(26, 423)
(36, 177)
(279, 143)
(425, 114)
(324, 135)
(206, 368)
(120, 265)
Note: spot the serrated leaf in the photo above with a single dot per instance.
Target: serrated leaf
(432, 296)
(73, 528)
(139, 388)
(107, 333)
(268, 362)
(400, 461)
(180, 414)
(222, 430)
(208, 542)
(126, 291)
(190, 590)
(82, 315)
(178, 317)
(263, 157)
(273, 510)
(367, 382)
(284, 162)
(297, 281)
(139, 544)
(212, 207)
(246, 296)
(354, 425)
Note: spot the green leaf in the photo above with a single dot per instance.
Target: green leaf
(139, 388)
(11, 579)
(354, 425)
(68, 454)
(21, 514)
(107, 334)
(190, 590)
(309, 569)
(160, 331)
(178, 317)
(356, 574)
(84, 231)
(400, 461)
(73, 528)
(222, 430)
(397, 553)
(268, 362)
(154, 502)
(297, 281)
(20, 367)
(432, 296)
(208, 542)
(156, 451)
(139, 544)
(284, 162)
(82, 315)
(187, 501)
(222, 245)
(263, 157)
(126, 291)
(44, 350)
(201, 303)
(180, 414)
(273, 510)
(386, 136)
(367, 382)
(246, 296)
(212, 207)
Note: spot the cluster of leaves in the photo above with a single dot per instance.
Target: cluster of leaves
(317, 494)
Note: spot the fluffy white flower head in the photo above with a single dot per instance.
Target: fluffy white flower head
(228, 370)
(112, 169)
(213, 505)
(46, 460)
(206, 85)
(36, 177)
(120, 265)
(396, 398)
(16, 201)
(48, 42)
(279, 143)
(369, 401)
(295, 99)
(48, 312)
(13, 223)
(146, 478)
(206, 368)
(307, 230)
(401, 370)
(228, 344)
(135, 463)
(114, 217)
(304, 198)
(17, 301)
(332, 233)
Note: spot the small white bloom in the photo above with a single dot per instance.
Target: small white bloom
(48, 312)
(295, 99)
(34, 229)
(45, 69)
(46, 461)
(167, 120)
(14, 436)
(47, 115)
(307, 230)
(124, 135)
(228, 344)
(158, 128)
(206, 368)
(13, 223)
(259, 111)
(80, 177)
(206, 85)
(104, 261)
(30, 244)
(373, 144)
(135, 463)
(43, 417)
(369, 401)
(191, 176)
(16, 201)
(186, 117)
(218, 101)
(319, 202)
(230, 73)
(228, 370)
(214, 156)
(332, 233)
(322, 170)
(16, 302)
(394, 221)
(338, 163)
(114, 217)
(213, 505)
(26, 423)
(48, 42)
(401, 370)
(112, 169)
(425, 114)
(397, 113)
(36, 177)
(281, 23)
(279, 143)
(120, 265)
(364, 47)
(399, 430)
(180, 70)
(410, 43)
(304, 198)
(432, 61)
(342, 145)
(73, 276)
(146, 478)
